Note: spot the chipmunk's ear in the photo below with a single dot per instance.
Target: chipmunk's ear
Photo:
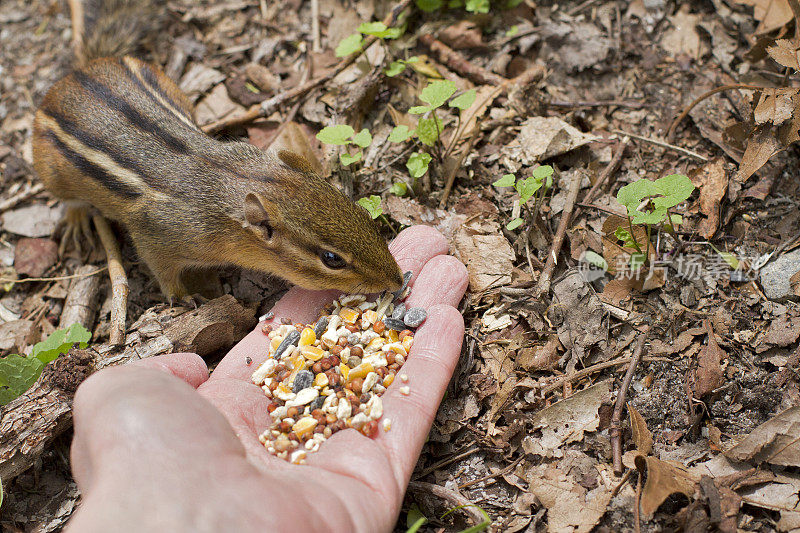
(296, 161)
(261, 213)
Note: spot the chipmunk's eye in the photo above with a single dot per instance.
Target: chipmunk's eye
(332, 260)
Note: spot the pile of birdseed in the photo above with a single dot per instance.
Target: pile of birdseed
(330, 376)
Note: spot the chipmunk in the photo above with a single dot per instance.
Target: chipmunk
(118, 135)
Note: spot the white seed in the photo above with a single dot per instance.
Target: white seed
(404, 378)
(366, 305)
(359, 420)
(304, 397)
(309, 444)
(344, 410)
(279, 412)
(399, 359)
(387, 424)
(376, 409)
(369, 381)
(367, 336)
(354, 299)
(297, 456)
(378, 389)
(284, 394)
(377, 359)
(342, 332)
(267, 368)
(405, 391)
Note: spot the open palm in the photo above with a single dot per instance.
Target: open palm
(157, 453)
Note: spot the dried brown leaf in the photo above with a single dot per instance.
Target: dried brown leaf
(772, 14)
(761, 145)
(642, 437)
(712, 181)
(775, 106)
(664, 478)
(776, 441)
(708, 375)
(785, 52)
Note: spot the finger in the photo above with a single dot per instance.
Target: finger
(413, 248)
(189, 367)
(442, 280)
(124, 413)
(430, 364)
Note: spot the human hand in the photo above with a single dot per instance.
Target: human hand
(162, 446)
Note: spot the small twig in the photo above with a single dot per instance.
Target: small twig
(446, 461)
(621, 483)
(453, 498)
(612, 166)
(55, 278)
(663, 144)
(119, 281)
(315, 44)
(451, 177)
(688, 109)
(269, 106)
(20, 197)
(458, 63)
(615, 431)
(262, 4)
(80, 306)
(566, 216)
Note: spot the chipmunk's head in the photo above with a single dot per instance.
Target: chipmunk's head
(312, 235)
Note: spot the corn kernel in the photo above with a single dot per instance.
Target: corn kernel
(395, 347)
(321, 380)
(274, 343)
(307, 337)
(349, 315)
(375, 344)
(393, 335)
(388, 380)
(345, 370)
(370, 316)
(408, 342)
(312, 353)
(360, 371)
(304, 425)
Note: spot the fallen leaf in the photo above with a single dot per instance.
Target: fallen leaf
(772, 14)
(541, 138)
(712, 181)
(567, 420)
(683, 37)
(782, 331)
(32, 257)
(489, 258)
(462, 35)
(664, 478)
(217, 105)
(708, 375)
(642, 437)
(776, 441)
(775, 106)
(199, 79)
(761, 145)
(540, 357)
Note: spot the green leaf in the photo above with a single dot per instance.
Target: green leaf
(338, 135)
(543, 171)
(419, 109)
(395, 68)
(507, 180)
(477, 6)
(400, 134)
(464, 100)
(527, 188)
(514, 224)
(427, 130)
(675, 188)
(372, 28)
(655, 216)
(59, 342)
(363, 138)
(417, 164)
(638, 260)
(625, 236)
(252, 88)
(348, 159)
(349, 45)
(372, 204)
(437, 93)
(17, 374)
(512, 31)
(593, 258)
(399, 188)
(414, 519)
(632, 194)
(429, 5)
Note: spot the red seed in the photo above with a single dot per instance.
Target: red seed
(326, 364)
(382, 371)
(317, 368)
(405, 333)
(292, 412)
(293, 436)
(273, 385)
(330, 419)
(285, 426)
(379, 327)
(266, 329)
(335, 360)
(336, 350)
(390, 358)
(342, 341)
(370, 429)
(352, 328)
(364, 397)
(334, 380)
(271, 407)
(357, 351)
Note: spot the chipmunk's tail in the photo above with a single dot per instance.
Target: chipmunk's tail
(112, 28)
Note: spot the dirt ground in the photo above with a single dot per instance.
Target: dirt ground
(528, 431)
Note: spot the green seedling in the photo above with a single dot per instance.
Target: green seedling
(18, 373)
(343, 135)
(397, 67)
(472, 6)
(372, 204)
(541, 180)
(648, 203)
(354, 43)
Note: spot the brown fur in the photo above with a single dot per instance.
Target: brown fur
(118, 134)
